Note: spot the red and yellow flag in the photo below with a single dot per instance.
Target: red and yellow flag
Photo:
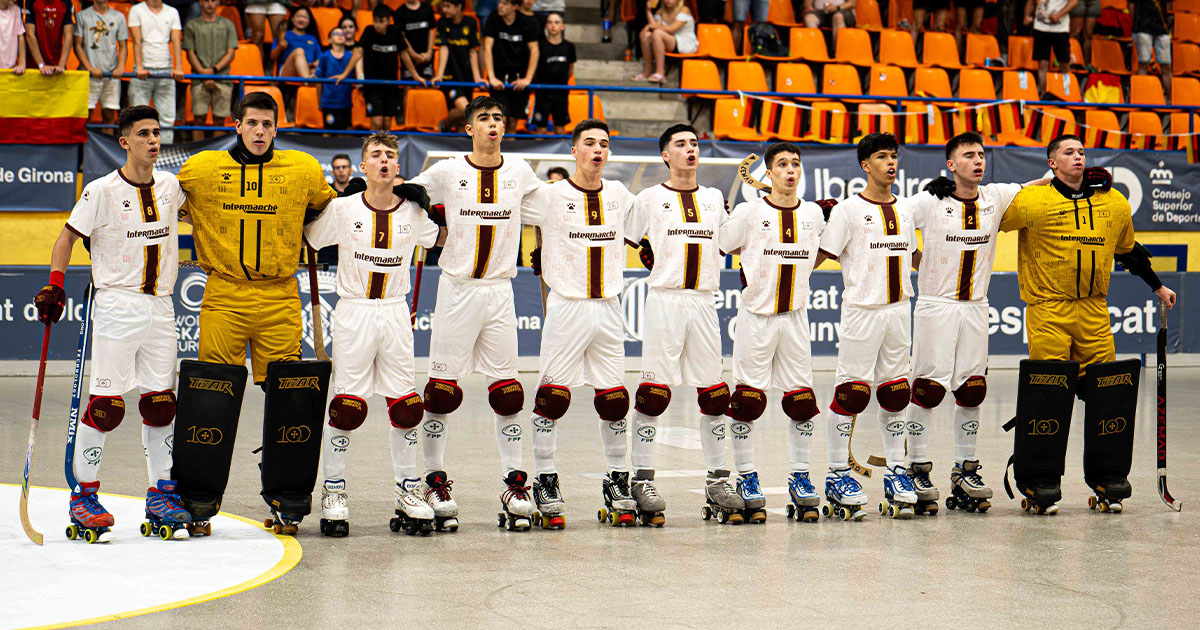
(36, 109)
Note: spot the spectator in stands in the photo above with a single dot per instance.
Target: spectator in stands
(380, 48)
(156, 34)
(743, 9)
(49, 32)
(484, 10)
(1050, 35)
(543, 8)
(211, 42)
(969, 18)
(1083, 25)
(415, 19)
(921, 9)
(259, 13)
(711, 11)
(510, 54)
(556, 64)
(670, 27)
(297, 49)
(100, 46)
(1152, 39)
(458, 38)
(834, 14)
(12, 42)
(342, 170)
(556, 174)
(336, 100)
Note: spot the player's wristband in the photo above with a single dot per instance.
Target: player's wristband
(57, 278)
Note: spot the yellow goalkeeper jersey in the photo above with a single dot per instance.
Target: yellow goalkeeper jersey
(248, 218)
(1067, 239)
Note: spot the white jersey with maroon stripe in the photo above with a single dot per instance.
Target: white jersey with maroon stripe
(483, 214)
(874, 243)
(778, 247)
(134, 231)
(684, 229)
(375, 246)
(960, 241)
(583, 237)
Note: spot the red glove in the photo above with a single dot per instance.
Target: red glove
(1097, 178)
(826, 206)
(51, 299)
(535, 261)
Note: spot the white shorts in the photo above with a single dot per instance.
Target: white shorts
(950, 341)
(373, 348)
(681, 342)
(266, 9)
(474, 330)
(107, 92)
(874, 343)
(134, 343)
(583, 343)
(772, 351)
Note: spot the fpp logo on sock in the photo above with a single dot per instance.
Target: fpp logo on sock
(433, 428)
(340, 442)
(512, 432)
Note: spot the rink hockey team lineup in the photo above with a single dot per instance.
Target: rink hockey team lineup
(255, 209)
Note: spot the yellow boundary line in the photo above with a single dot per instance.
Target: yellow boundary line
(292, 552)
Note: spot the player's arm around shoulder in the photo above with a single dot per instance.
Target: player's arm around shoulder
(322, 193)
(835, 236)
(733, 232)
(534, 205)
(323, 231)
(1014, 214)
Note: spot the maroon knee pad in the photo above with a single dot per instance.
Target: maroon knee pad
(347, 412)
(927, 393)
(552, 401)
(894, 395)
(442, 396)
(713, 400)
(405, 412)
(849, 399)
(157, 408)
(506, 397)
(652, 399)
(612, 404)
(104, 413)
(800, 404)
(747, 404)
(972, 392)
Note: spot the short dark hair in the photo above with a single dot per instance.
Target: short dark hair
(665, 138)
(341, 156)
(457, 3)
(961, 140)
(381, 10)
(130, 115)
(562, 16)
(584, 125)
(479, 104)
(1053, 146)
(777, 148)
(557, 169)
(875, 142)
(257, 100)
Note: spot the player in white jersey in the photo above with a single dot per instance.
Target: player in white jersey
(678, 227)
(375, 232)
(778, 237)
(130, 219)
(872, 236)
(474, 320)
(582, 259)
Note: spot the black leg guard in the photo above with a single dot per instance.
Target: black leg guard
(1111, 404)
(206, 422)
(295, 409)
(1045, 396)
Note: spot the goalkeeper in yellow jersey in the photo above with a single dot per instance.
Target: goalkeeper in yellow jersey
(1069, 233)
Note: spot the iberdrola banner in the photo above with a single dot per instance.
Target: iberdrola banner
(37, 109)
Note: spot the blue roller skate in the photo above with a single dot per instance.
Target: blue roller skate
(165, 516)
(804, 498)
(899, 494)
(845, 496)
(752, 497)
(89, 520)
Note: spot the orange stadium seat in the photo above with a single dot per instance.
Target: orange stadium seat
(1020, 85)
(577, 109)
(363, 21)
(268, 89)
(976, 83)
(896, 49)
(747, 76)
(1187, 27)
(1179, 123)
(875, 117)
(1076, 53)
(866, 15)
(1185, 58)
(425, 109)
(840, 79)
(854, 47)
(358, 110)
(1107, 56)
(1020, 52)
(393, 4)
(808, 44)
(1145, 89)
(123, 7)
(941, 50)
(828, 122)
(933, 82)
(231, 13)
(887, 81)
(327, 18)
(1098, 120)
(794, 78)
(700, 74)
(980, 48)
(780, 13)
(716, 41)
(731, 120)
(1064, 86)
(788, 129)
(308, 108)
(935, 132)
(247, 61)
(1119, 5)
(1185, 91)
(1149, 126)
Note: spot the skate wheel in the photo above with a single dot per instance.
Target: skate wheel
(858, 515)
(735, 519)
(1092, 502)
(90, 536)
(1025, 505)
(501, 518)
(791, 511)
(626, 520)
(269, 523)
(826, 511)
(165, 532)
(950, 503)
(145, 529)
(426, 528)
(722, 518)
(451, 524)
(394, 525)
(983, 506)
(844, 513)
(706, 513)
(1116, 507)
(1050, 510)
(882, 507)
(932, 509)
(537, 521)
(894, 511)
(602, 515)
(810, 516)
(560, 522)
(971, 508)
(72, 532)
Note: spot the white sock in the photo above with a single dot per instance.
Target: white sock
(335, 450)
(838, 441)
(508, 438)
(545, 433)
(891, 424)
(800, 440)
(157, 443)
(404, 452)
(966, 424)
(743, 445)
(89, 447)
(612, 436)
(919, 419)
(433, 441)
(712, 441)
(644, 431)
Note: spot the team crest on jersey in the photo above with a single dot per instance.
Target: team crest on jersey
(126, 204)
(766, 225)
(666, 206)
(462, 184)
(357, 225)
(87, 194)
(510, 184)
(570, 206)
(807, 225)
(868, 218)
(612, 205)
(708, 207)
(225, 177)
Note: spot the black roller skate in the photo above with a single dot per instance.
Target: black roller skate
(967, 490)
(1040, 497)
(1109, 494)
(549, 502)
(202, 511)
(165, 517)
(89, 520)
(620, 508)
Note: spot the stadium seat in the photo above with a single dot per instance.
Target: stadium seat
(1146, 130)
(794, 78)
(327, 18)
(247, 61)
(1145, 89)
(747, 76)
(308, 108)
(932, 82)
(231, 13)
(1179, 124)
(424, 109)
(896, 49)
(808, 44)
(1107, 56)
(1187, 27)
(1119, 5)
(716, 41)
(700, 74)
(1098, 120)
(1185, 58)
(854, 47)
(358, 110)
(918, 121)
(974, 83)
(577, 109)
(787, 128)
(875, 117)
(1020, 52)
(828, 122)
(840, 79)
(1064, 86)
(867, 15)
(123, 7)
(1185, 91)
(1076, 53)
(887, 81)
(780, 13)
(1020, 85)
(363, 20)
(941, 50)
(393, 4)
(1187, 6)
(268, 89)
(732, 120)
(980, 48)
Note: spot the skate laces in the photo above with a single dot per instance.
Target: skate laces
(903, 483)
(516, 491)
(803, 484)
(847, 485)
(442, 490)
(749, 483)
(648, 488)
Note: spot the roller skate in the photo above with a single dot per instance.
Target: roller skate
(1109, 494)
(283, 523)
(550, 505)
(844, 495)
(721, 500)
(899, 496)
(335, 509)
(753, 499)
(164, 514)
(967, 490)
(927, 493)
(413, 514)
(89, 520)
(201, 512)
(804, 498)
(437, 495)
(1040, 497)
(651, 508)
(514, 503)
(620, 508)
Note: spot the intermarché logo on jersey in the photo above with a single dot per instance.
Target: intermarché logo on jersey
(211, 385)
(1053, 380)
(1115, 379)
(300, 382)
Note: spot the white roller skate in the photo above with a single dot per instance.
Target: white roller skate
(754, 501)
(516, 509)
(927, 493)
(620, 508)
(413, 514)
(967, 490)
(804, 498)
(721, 500)
(844, 495)
(437, 495)
(550, 504)
(651, 507)
(899, 496)
(335, 509)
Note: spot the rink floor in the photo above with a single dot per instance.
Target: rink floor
(1079, 569)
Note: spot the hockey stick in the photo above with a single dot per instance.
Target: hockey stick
(854, 465)
(412, 316)
(744, 173)
(537, 237)
(1162, 411)
(318, 327)
(34, 534)
(85, 327)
